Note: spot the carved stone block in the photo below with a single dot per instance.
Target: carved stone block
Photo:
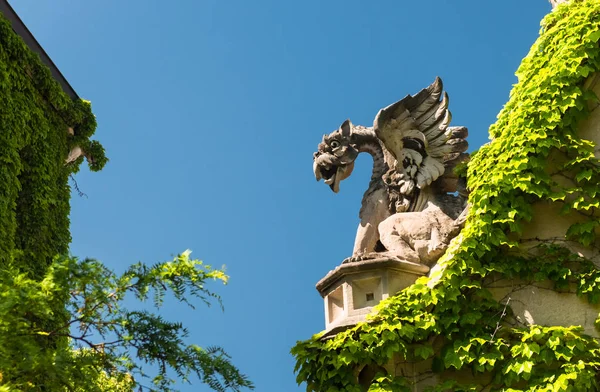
(352, 289)
(415, 150)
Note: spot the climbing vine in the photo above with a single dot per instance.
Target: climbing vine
(68, 324)
(451, 321)
(35, 118)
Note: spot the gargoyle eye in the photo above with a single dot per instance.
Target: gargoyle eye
(334, 144)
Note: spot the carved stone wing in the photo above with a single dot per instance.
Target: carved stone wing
(415, 131)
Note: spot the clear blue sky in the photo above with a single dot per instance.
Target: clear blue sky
(210, 111)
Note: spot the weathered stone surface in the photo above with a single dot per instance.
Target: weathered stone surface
(404, 210)
(414, 205)
(74, 154)
(352, 289)
(419, 236)
(540, 303)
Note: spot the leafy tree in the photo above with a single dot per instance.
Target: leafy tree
(100, 344)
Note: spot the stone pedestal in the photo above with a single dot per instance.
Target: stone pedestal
(352, 289)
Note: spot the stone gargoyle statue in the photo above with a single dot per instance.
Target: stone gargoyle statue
(415, 204)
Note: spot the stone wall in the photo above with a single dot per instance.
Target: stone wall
(539, 303)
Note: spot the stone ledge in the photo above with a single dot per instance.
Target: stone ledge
(345, 323)
(366, 265)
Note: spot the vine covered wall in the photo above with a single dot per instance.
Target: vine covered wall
(450, 322)
(64, 325)
(35, 115)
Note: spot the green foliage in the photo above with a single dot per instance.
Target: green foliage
(63, 323)
(106, 344)
(34, 140)
(535, 156)
(35, 117)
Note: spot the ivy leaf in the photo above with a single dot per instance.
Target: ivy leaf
(424, 351)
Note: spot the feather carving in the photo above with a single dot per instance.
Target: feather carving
(415, 130)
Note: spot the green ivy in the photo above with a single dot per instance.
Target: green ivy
(36, 119)
(35, 115)
(452, 319)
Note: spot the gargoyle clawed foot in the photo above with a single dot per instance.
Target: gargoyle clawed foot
(361, 257)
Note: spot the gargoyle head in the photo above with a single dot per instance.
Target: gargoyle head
(335, 156)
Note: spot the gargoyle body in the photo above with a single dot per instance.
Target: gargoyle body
(411, 209)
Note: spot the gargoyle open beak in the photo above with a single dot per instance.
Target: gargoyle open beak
(332, 174)
(332, 178)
